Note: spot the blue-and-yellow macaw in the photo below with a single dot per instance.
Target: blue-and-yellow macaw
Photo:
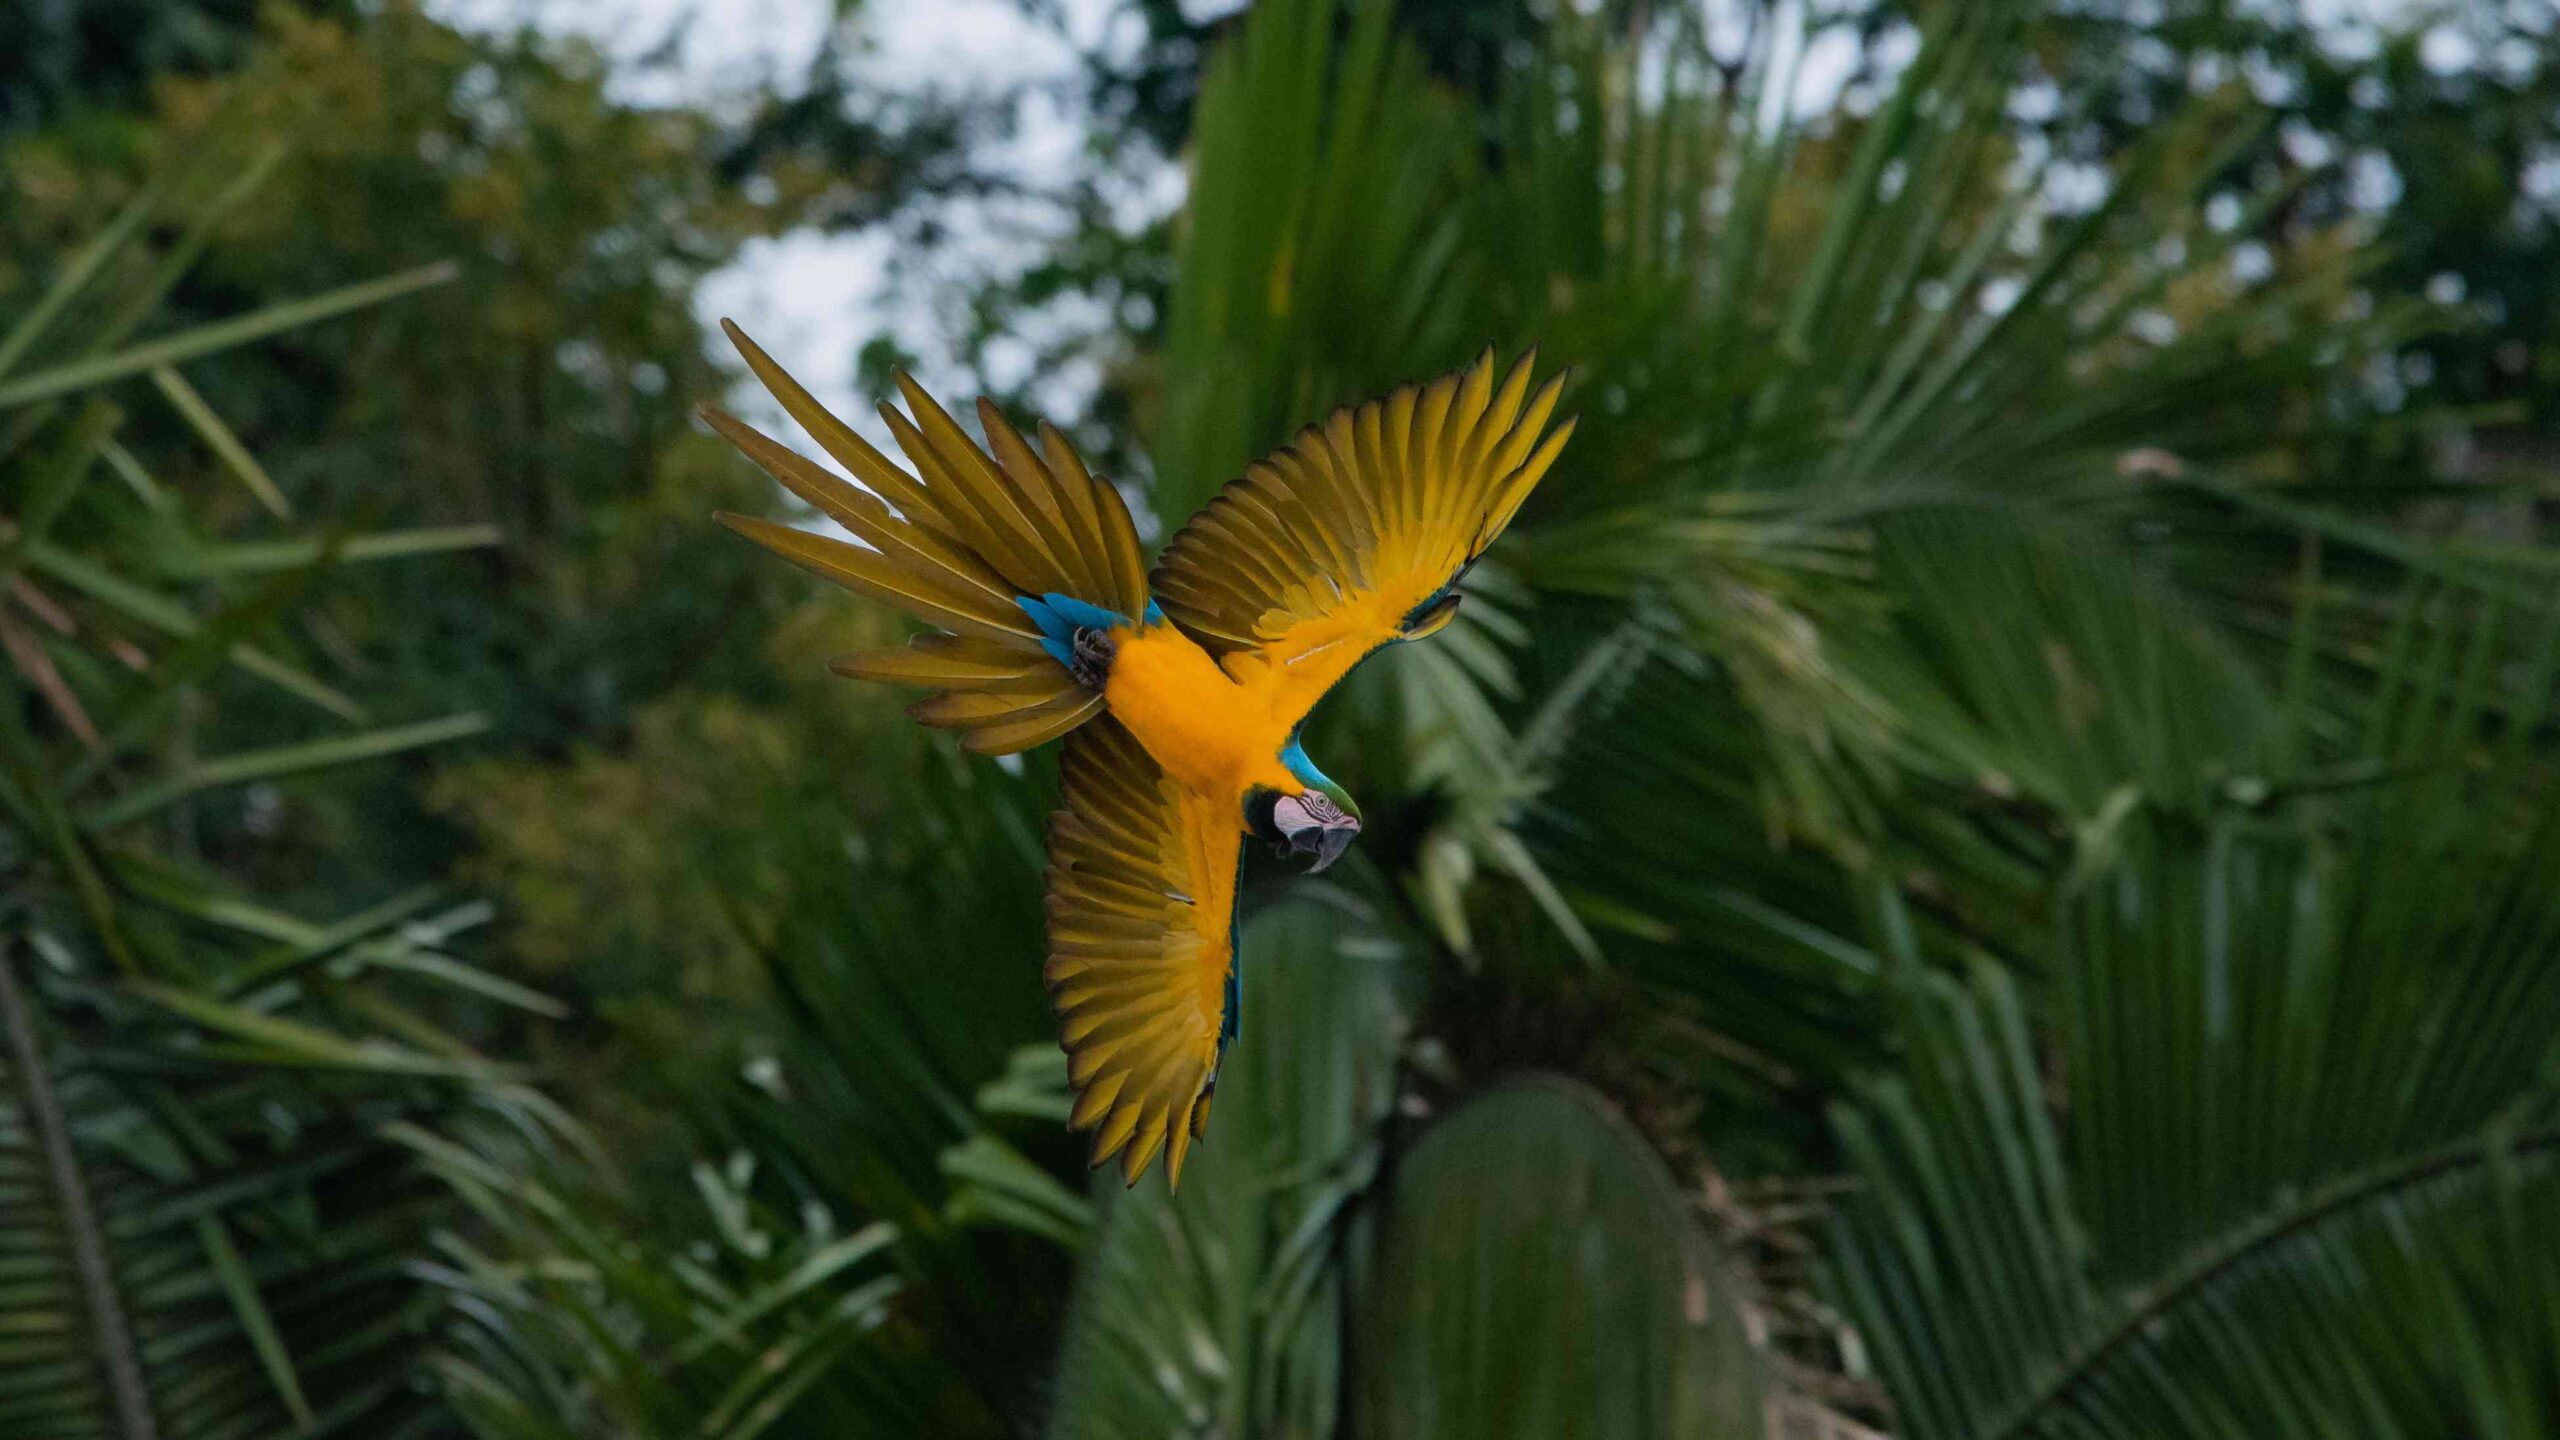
(1180, 692)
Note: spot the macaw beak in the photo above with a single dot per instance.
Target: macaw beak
(1311, 824)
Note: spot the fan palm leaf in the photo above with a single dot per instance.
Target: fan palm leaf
(2294, 1116)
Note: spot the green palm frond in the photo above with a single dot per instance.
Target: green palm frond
(213, 1237)
(1318, 260)
(210, 1229)
(883, 1230)
(2027, 657)
(2295, 1114)
(568, 1326)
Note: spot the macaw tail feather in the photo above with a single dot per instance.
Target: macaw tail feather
(1015, 557)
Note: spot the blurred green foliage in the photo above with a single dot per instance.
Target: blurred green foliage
(209, 1104)
(1973, 868)
(548, 393)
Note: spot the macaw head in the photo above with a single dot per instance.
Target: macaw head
(1319, 821)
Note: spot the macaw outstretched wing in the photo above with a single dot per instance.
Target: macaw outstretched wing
(1354, 534)
(1142, 901)
(961, 543)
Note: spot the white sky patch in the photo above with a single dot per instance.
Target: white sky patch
(723, 50)
(2447, 51)
(814, 299)
(794, 294)
(1829, 60)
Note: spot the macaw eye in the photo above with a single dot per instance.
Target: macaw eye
(1431, 618)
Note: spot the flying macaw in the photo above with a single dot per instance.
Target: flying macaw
(1180, 693)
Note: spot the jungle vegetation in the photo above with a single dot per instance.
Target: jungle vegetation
(1979, 865)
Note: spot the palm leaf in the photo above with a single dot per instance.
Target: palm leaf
(208, 1232)
(2308, 1110)
(1538, 1273)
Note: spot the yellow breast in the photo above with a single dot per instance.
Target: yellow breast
(1206, 731)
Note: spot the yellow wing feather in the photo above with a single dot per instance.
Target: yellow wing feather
(1325, 550)
(1142, 875)
(953, 545)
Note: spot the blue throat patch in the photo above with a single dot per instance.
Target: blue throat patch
(1294, 755)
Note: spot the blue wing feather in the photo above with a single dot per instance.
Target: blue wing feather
(1061, 616)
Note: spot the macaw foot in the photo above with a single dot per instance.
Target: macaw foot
(1089, 658)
